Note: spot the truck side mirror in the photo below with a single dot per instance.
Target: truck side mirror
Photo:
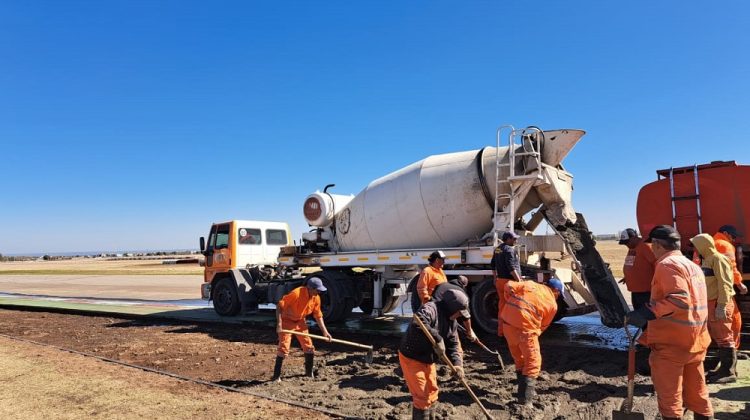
(202, 242)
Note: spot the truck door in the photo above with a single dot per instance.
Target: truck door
(218, 253)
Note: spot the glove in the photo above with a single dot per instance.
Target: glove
(721, 312)
(440, 349)
(459, 372)
(743, 288)
(640, 317)
(471, 336)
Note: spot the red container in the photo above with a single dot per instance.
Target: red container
(723, 197)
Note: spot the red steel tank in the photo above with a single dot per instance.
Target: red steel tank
(722, 197)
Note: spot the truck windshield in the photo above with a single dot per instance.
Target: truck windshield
(249, 236)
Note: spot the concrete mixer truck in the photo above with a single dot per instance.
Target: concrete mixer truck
(370, 247)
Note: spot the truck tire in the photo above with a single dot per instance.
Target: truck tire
(225, 298)
(484, 306)
(411, 291)
(334, 302)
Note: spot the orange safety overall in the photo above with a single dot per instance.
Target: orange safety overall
(428, 280)
(529, 309)
(421, 379)
(678, 337)
(500, 287)
(724, 246)
(294, 307)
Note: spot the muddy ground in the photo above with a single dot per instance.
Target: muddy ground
(579, 383)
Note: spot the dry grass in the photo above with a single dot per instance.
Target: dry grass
(98, 266)
(614, 254)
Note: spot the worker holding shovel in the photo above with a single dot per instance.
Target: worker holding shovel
(418, 356)
(291, 312)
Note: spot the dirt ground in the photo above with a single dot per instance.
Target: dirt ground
(578, 383)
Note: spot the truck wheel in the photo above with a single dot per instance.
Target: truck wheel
(484, 306)
(334, 303)
(411, 291)
(226, 300)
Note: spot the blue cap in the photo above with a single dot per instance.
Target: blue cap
(316, 283)
(557, 284)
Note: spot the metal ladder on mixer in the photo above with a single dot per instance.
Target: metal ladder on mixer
(505, 214)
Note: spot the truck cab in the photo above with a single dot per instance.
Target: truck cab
(238, 244)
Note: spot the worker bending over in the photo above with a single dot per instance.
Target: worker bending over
(677, 333)
(506, 266)
(417, 355)
(291, 312)
(718, 272)
(724, 240)
(529, 309)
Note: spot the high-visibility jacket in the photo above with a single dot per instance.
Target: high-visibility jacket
(428, 280)
(680, 304)
(724, 246)
(298, 304)
(639, 268)
(716, 268)
(529, 306)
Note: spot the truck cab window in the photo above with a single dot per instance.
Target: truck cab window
(247, 236)
(275, 237)
(222, 237)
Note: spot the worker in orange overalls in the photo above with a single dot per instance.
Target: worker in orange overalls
(291, 312)
(417, 355)
(638, 271)
(506, 266)
(429, 278)
(638, 268)
(719, 290)
(677, 332)
(529, 309)
(724, 240)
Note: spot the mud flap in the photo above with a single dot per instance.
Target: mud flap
(595, 272)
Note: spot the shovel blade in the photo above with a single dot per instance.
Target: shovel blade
(368, 357)
(625, 415)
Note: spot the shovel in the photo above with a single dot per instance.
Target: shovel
(368, 357)
(485, 348)
(625, 412)
(453, 368)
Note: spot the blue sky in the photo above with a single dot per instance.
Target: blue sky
(134, 125)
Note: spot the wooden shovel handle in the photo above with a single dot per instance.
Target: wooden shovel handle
(333, 340)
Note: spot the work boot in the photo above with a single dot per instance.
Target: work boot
(727, 372)
(417, 414)
(530, 390)
(309, 359)
(523, 387)
(277, 369)
(711, 365)
(431, 413)
(697, 416)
